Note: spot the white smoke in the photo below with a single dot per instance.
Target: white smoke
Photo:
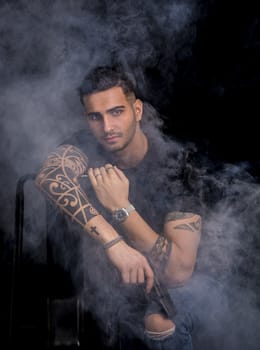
(46, 48)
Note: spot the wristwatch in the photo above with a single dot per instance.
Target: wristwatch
(120, 215)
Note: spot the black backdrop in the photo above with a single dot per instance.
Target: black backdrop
(205, 83)
(214, 98)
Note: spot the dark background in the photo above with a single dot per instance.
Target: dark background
(214, 98)
(203, 78)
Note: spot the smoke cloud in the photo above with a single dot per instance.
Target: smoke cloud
(46, 48)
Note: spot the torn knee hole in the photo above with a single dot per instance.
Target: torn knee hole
(158, 326)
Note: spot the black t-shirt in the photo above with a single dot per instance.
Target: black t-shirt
(162, 182)
(157, 186)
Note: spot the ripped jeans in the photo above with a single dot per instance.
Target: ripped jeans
(197, 312)
(180, 339)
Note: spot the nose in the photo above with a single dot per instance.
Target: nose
(107, 124)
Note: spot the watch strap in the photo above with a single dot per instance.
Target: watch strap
(130, 209)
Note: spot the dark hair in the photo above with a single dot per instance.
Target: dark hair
(105, 77)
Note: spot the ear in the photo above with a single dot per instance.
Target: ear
(138, 107)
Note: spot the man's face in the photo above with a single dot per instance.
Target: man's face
(113, 118)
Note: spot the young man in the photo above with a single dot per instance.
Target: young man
(134, 205)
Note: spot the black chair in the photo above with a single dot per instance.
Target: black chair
(36, 319)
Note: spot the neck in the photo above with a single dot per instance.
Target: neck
(132, 155)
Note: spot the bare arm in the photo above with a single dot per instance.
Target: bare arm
(183, 230)
(58, 180)
(177, 248)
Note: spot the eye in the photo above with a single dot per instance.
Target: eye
(116, 112)
(94, 117)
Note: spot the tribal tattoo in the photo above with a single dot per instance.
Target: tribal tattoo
(58, 180)
(160, 254)
(194, 224)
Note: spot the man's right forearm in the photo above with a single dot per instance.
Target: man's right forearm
(58, 180)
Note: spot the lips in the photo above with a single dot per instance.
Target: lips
(111, 138)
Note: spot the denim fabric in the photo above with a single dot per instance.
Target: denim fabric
(179, 340)
(198, 311)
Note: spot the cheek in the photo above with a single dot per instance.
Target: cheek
(95, 129)
(131, 129)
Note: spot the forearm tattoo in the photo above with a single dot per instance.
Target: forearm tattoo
(193, 225)
(58, 180)
(93, 229)
(160, 253)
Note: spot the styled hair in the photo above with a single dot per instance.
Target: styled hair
(102, 78)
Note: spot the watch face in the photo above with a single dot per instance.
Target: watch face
(120, 215)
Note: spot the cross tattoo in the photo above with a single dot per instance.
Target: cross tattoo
(93, 229)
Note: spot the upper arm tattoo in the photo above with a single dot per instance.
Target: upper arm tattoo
(58, 180)
(192, 221)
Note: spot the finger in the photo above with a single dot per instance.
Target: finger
(140, 275)
(98, 174)
(126, 277)
(134, 276)
(92, 177)
(120, 173)
(103, 172)
(149, 278)
(109, 168)
(107, 174)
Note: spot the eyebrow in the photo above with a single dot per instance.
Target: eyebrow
(107, 111)
(116, 107)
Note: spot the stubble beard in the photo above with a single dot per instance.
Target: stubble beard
(119, 149)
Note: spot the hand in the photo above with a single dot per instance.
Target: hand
(133, 266)
(111, 186)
